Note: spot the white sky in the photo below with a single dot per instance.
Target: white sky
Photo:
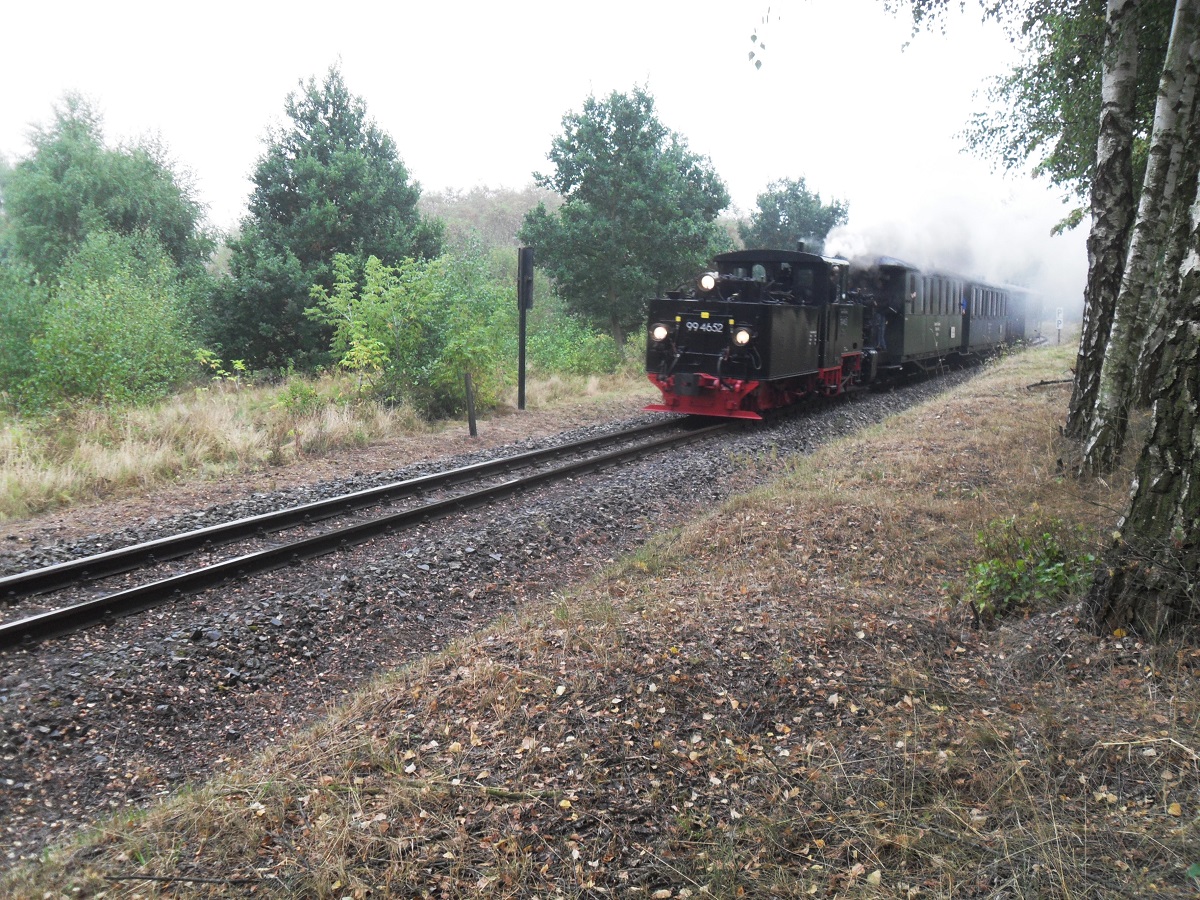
(473, 92)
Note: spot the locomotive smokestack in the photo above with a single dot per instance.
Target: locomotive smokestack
(800, 246)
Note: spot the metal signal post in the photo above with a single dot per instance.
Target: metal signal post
(524, 304)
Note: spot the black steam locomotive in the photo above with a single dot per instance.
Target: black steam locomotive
(771, 327)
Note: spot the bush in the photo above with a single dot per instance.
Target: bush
(413, 331)
(569, 346)
(22, 305)
(115, 329)
(1025, 565)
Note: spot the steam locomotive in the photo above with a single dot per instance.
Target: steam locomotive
(769, 328)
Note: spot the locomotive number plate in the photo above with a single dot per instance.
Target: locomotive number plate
(713, 327)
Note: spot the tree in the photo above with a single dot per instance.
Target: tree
(68, 200)
(788, 212)
(72, 185)
(22, 305)
(638, 214)
(1151, 577)
(330, 181)
(257, 313)
(1112, 208)
(1134, 303)
(1184, 169)
(1046, 110)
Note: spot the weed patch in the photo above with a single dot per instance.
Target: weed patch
(1031, 563)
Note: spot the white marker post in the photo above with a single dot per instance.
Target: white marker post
(1058, 320)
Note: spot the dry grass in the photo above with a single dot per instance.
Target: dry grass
(92, 453)
(551, 390)
(778, 701)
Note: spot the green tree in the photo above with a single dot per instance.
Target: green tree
(1046, 110)
(257, 312)
(788, 212)
(72, 185)
(638, 214)
(115, 329)
(330, 181)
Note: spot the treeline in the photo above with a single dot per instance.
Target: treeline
(112, 291)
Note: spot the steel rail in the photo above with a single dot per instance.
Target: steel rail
(71, 618)
(114, 562)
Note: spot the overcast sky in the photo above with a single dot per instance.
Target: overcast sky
(474, 92)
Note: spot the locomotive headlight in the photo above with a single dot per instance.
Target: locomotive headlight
(707, 281)
(742, 336)
(660, 332)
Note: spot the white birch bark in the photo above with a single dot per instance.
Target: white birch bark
(1108, 423)
(1152, 577)
(1166, 275)
(1111, 208)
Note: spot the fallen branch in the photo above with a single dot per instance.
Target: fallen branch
(1166, 740)
(193, 879)
(1030, 387)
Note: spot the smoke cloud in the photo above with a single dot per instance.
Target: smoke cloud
(1001, 243)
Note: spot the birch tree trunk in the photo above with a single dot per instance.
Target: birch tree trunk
(1152, 579)
(1111, 209)
(1184, 170)
(1108, 423)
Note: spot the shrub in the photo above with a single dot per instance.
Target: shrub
(1025, 565)
(22, 305)
(115, 330)
(569, 346)
(413, 331)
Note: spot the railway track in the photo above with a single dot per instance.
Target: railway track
(286, 548)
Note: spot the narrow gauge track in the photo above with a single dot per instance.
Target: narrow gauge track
(39, 626)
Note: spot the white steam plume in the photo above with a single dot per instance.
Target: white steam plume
(997, 243)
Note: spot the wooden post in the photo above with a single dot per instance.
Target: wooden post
(471, 407)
